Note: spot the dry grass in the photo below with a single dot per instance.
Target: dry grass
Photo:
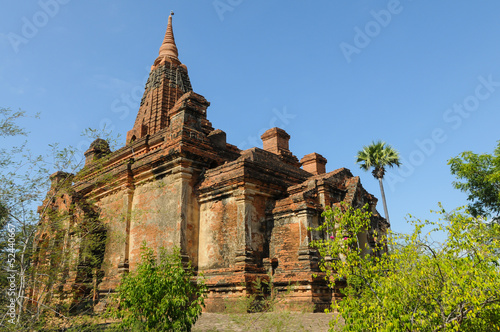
(271, 321)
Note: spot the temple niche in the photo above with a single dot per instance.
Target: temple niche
(237, 215)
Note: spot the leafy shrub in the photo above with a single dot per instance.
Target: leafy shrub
(419, 285)
(161, 294)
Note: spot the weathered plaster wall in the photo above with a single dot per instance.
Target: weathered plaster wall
(155, 216)
(113, 214)
(285, 240)
(218, 232)
(257, 226)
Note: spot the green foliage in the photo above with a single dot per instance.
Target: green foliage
(342, 225)
(160, 295)
(8, 122)
(481, 180)
(24, 185)
(264, 297)
(419, 285)
(378, 155)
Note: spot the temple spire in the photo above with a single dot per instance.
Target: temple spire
(167, 82)
(168, 48)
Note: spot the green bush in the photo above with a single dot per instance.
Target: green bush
(420, 284)
(160, 295)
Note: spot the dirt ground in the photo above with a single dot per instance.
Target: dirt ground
(274, 321)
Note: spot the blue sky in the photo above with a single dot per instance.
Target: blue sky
(421, 75)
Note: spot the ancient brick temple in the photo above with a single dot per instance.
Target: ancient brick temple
(237, 215)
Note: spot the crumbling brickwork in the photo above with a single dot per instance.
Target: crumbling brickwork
(236, 215)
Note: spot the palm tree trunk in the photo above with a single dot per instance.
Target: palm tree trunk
(383, 201)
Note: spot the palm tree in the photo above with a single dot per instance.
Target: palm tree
(378, 155)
